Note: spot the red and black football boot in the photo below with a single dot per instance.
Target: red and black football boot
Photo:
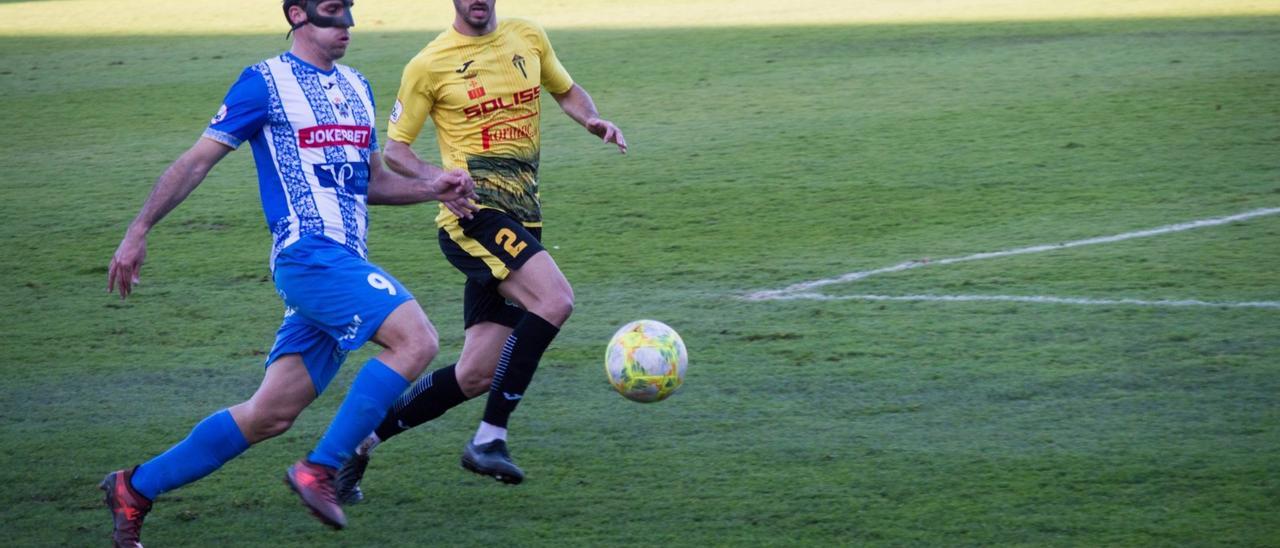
(314, 485)
(128, 508)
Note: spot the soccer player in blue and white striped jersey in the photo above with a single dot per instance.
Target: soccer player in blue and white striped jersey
(310, 123)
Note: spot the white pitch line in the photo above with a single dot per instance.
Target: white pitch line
(774, 294)
(1038, 299)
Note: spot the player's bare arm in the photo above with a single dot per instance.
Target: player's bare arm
(387, 187)
(401, 158)
(173, 186)
(578, 105)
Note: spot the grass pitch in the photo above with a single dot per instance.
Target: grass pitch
(762, 156)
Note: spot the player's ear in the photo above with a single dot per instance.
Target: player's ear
(297, 15)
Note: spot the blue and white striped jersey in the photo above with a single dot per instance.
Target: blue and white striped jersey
(312, 132)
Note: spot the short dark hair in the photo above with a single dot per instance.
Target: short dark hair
(290, 3)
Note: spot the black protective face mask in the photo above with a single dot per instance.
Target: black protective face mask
(343, 20)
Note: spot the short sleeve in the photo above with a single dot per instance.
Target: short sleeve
(555, 78)
(243, 112)
(413, 103)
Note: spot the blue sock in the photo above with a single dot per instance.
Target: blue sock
(213, 442)
(376, 387)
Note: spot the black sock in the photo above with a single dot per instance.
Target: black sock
(519, 360)
(433, 394)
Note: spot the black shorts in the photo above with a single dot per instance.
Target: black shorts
(486, 248)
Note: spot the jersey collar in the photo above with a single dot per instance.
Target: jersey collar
(299, 60)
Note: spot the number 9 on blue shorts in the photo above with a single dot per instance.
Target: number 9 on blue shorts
(334, 301)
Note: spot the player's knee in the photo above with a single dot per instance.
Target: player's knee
(558, 307)
(412, 342)
(425, 350)
(420, 348)
(269, 424)
(275, 426)
(474, 383)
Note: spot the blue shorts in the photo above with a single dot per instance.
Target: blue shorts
(334, 302)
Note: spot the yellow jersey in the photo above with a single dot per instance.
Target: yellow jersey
(482, 93)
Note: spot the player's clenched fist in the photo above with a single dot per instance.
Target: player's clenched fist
(455, 189)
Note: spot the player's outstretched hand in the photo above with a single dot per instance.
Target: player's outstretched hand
(456, 190)
(608, 132)
(125, 265)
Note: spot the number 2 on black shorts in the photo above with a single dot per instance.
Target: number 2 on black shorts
(510, 242)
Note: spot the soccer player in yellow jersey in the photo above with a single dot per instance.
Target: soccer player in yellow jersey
(480, 82)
